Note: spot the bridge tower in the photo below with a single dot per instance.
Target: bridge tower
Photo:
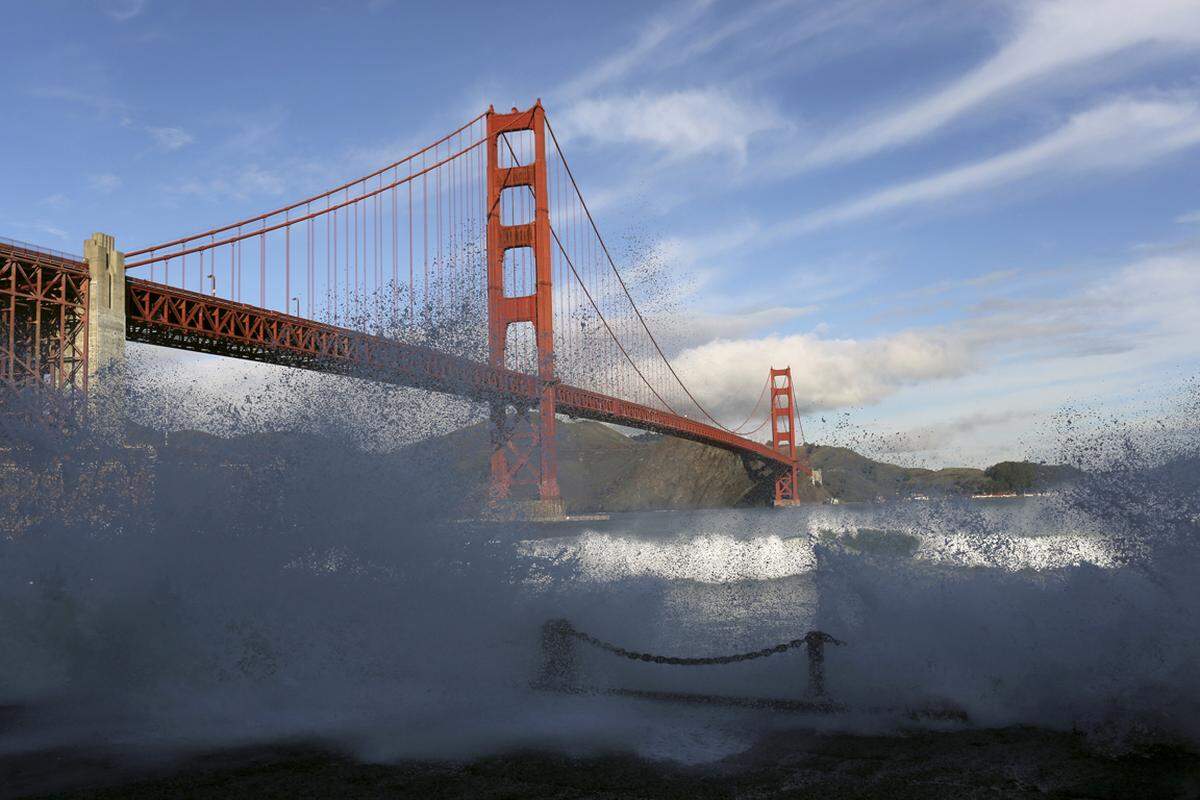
(524, 451)
(783, 434)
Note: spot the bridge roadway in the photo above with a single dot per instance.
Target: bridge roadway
(170, 317)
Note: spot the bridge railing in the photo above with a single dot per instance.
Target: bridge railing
(61, 255)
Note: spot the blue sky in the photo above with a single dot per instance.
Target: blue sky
(952, 219)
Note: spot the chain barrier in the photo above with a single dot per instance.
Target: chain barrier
(560, 673)
(810, 638)
(559, 662)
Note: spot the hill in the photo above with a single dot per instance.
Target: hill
(600, 469)
(851, 477)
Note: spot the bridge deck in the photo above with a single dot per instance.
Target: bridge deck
(170, 317)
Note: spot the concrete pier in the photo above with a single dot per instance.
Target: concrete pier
(106, 319)
(533, 510)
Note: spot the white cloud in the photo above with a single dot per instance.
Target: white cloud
(765, 32)
(1126, 335)
(1051, 38)
(251, 181)
(105, 182)
(1123, 134)
(653, 34)
(1137, 318)
(257, 180)
(49, 229)
(56, 200)
(1157, 297)
(255, 131)
(828, 373)
(123, 10)
(1192, 217)
(684, 123)
(92, 98)
(747, 18)
(698, 249)
(678, 330)
(169, 138)
(946, 435)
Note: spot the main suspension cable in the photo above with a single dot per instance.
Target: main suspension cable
(625, 288)
(588, 294)
(309, 200)
(757, 403)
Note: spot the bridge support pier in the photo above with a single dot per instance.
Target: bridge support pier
(105, 322)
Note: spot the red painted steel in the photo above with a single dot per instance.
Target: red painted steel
(151, 251)
(625, 290)
(43, 319)
(516, 437)
(458, 206)
(163, 315)
(153, 256)
(783, 434)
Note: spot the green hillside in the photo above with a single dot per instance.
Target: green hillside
(601, 469)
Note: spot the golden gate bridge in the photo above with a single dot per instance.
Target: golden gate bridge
(471, 267)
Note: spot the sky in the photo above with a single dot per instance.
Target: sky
(955, 221)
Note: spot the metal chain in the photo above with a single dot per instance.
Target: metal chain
(696, 662)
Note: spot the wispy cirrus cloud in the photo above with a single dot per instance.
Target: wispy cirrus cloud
(123, 10)
(101, 102)
(40, 227)
(104, 182)
(679, 124)
(695, 34)
(55, 201)
(249, 181)
(654, 33)
(107, 106)
(1119, 135)
(1129, 317)
(49, 229)
(170, 138)
(1050, 39)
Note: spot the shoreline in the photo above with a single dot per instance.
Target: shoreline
(1014, 762)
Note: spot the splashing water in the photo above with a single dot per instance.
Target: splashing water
(290, 583)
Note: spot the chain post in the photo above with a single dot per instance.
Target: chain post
(558, 656)
(815, 642)
(559, 663)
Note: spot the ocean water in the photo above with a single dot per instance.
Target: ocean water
(161, 607)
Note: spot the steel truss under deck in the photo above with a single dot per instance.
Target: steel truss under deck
(43, 319)
(170, 317)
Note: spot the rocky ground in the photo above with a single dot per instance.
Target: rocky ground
(1007, 763)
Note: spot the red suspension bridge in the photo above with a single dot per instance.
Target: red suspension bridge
(471, 267)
